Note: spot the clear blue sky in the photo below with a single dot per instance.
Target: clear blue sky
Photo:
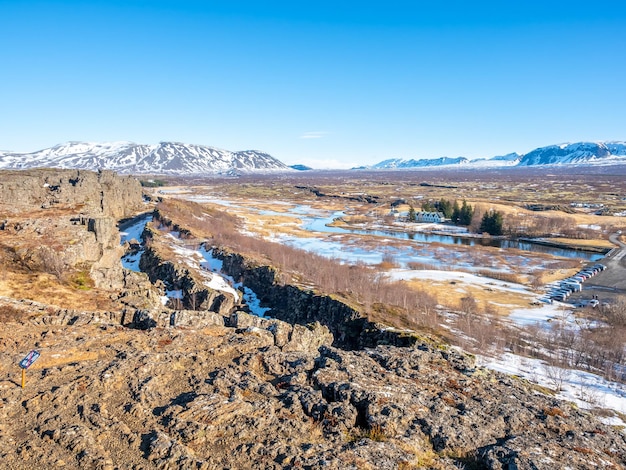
(325, 83)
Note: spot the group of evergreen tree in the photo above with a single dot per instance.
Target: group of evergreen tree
(443, 205)
(462, 215)
(491, 223)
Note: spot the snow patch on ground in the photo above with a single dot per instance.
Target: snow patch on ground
(530, 316)
(134, 231)
(585, 389)
(210, 263)
(196, 259)
(215, 265)
(456, 276)
(217, 282)
(131, 261)
(254, 304)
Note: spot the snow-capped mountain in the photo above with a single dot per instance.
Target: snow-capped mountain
(425, 162)
(127, 157)
(509, 157)
(582, 153)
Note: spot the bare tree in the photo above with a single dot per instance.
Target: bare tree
(52, 262)
(556, 375)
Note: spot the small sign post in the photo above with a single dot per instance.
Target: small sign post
(27, 362)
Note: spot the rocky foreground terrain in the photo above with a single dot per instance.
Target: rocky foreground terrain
(124, 382)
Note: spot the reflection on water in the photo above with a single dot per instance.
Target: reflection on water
(318, 224)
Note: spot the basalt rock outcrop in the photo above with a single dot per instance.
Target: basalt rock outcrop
(65, 221)
(176, 276)
(264, 394)
(102, 192)
(350, 328)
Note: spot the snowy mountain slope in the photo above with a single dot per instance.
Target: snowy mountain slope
(509, 157)
(127, 157)
(616, 148)
(582, 153)
(402, 163)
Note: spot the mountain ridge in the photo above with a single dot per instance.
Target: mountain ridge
(581, 153)
(177, 158)
(174, 158)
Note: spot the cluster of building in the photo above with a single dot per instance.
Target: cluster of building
(422, 216)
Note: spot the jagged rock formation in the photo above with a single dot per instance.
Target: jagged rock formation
(57, 221)
(102, 193)
(175, 275)
(292, 304)
(264, 394)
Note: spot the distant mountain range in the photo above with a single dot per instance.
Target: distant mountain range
(176, 158)
(402, 163)
(582, 153)
(300, 167)
(127, 157)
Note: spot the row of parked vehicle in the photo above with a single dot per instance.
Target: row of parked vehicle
(566, 287)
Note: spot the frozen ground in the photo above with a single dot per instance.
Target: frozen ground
(194, 259)
(131, 261)
(457, 276)
(543, 313)
(583, 388)
(133, 231)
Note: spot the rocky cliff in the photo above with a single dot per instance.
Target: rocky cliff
(65, 221)
(194, 294)
(350, 328)
(102, 193)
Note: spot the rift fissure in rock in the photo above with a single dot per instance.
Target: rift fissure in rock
(350, 328)
(225, 389)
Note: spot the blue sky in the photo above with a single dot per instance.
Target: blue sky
(325, 83)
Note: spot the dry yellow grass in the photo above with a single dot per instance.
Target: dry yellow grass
(595, 242)
(578, 218)
(55, 358)
(448, 294)
(46, 288)
(557, 274)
